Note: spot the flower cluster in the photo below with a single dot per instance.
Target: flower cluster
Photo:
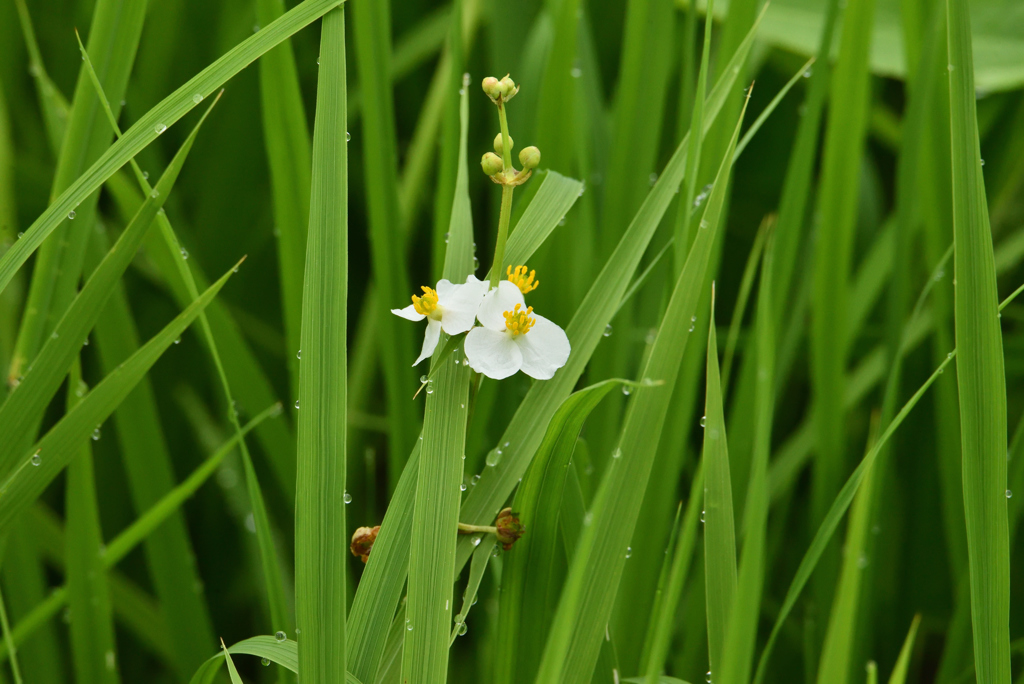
(510, 337)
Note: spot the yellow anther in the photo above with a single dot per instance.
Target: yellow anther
(524, 282)
(519, 322)
(426, 304)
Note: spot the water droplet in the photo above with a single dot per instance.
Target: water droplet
(348, 136)
(96, 434)
(575, 72)
(36, 460)
(950, 68)
(708, 677)
(703, 421)
(652, 179)
(629, 551)
(347, 498)
(702, 516)
(20, 234)
(154, 193)
(423, 379)
(561, 221)
(296, 403)
(608, 330)
(197, 98)
(280, 636)
(588, 518)
(71, 214)
(55, 335)
(949, 355)
(446, 235)
(476, 541)
(462, 487)
(703, 224)
(145, 175)
(617, 453)
(626, 390)
(1009, 493)
(111, 660)
(159, 128)
(177, 341)
(982, 162)
(807, 74)
(493, 457)
(255, 28)
(184, 253)
(298, 354)
(265, 662)
(430, 387)
(462, 628)
(862, 561)
(474, 480)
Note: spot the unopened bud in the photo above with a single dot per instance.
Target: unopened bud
(508, 88)
(491, 163)
(508, 527)
(362, 541)
(499, 143)
(492, 87)
(529, 157)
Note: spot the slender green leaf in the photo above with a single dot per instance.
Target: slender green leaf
(980, 373)
(320, 533)
(477, 568)
(92, 630)
(899, 671)
(443, 444)
(284, 653)
(528, 577)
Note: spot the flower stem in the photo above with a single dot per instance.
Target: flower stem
(503, 221)
(466, 528)
(506, 197)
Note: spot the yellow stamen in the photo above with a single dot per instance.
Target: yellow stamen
(519, 322)
(426, 304)
(524, 282)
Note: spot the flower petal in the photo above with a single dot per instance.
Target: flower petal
(409, 313)
(492, 353)
(430, 337)
(545, 349)
(459, 303)
(497, 302)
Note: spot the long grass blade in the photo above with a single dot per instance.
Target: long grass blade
(899, 671)
(92, 631)
(979, 370)
(320, 532)
(443, 443)
(719, 528)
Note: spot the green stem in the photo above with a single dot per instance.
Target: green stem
(503, 220)
(506, 196)
(466, 528)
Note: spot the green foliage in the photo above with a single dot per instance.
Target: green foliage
(749, 255)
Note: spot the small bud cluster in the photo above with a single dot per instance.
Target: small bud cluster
(493, 163)
(508, 527)
(362, 541)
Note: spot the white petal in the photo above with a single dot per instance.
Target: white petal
(409, 313)
(459, 303)
(497, 302)
(430, 337)
(545, 349)
(492, 353)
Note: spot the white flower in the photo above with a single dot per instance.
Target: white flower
(450, 307)
(513, 338)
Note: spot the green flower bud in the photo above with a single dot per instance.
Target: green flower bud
(508, 527)
(529, 157)
(508, 88)
(492, 87)
(499, 144)
(491, 163)
(362, 541)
